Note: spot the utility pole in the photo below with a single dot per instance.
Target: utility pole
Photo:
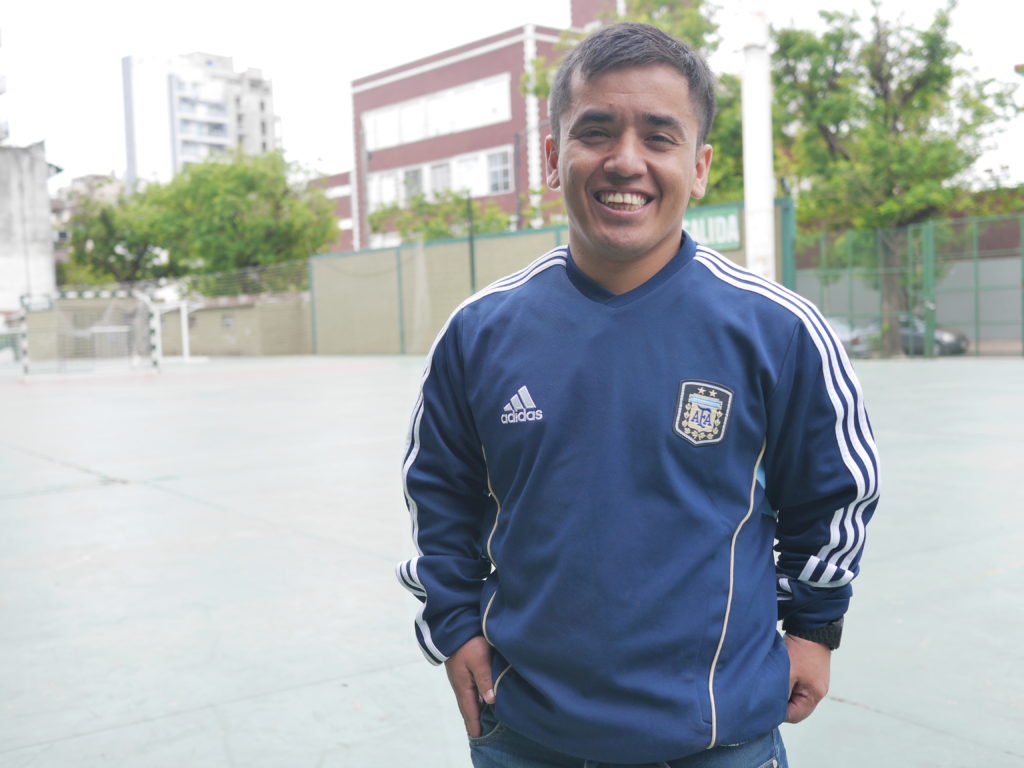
(758, 166)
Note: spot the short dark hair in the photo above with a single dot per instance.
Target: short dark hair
(630, 44)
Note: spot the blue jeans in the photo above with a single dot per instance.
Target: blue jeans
(501, 747)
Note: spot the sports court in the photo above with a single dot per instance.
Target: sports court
(196, 569)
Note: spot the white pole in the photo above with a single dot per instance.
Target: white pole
(758, 169)
(183, 308)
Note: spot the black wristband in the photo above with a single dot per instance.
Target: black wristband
(829, 635)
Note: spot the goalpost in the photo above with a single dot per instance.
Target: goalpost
(90, 330)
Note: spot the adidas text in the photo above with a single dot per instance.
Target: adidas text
(517, 416)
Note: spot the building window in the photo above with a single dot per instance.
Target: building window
(499, 175)
(383, 189)
(468, 106)
(263, 127)
(440, 177)
(412, 182)
(467, 175)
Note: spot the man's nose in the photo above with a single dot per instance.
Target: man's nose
(626, 159)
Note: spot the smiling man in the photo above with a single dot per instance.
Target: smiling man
(607, 445)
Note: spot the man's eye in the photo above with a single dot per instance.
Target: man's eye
(661, 139)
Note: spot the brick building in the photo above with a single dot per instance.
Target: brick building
(338, 188)
(455, 120)
(458, 120)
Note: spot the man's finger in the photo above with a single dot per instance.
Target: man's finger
(800, 706)
(481, 672)
(469, 672)
(469, 707)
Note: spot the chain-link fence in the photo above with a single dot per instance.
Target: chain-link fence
(946, 287)
(941, 287)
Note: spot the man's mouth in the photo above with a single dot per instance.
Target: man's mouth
(623, 201)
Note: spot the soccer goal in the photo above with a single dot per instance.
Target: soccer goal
(88, 331)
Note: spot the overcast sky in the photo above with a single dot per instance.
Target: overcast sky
(62, 60)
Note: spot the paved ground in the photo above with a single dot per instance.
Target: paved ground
(196, 570)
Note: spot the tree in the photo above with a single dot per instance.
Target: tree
(726, 181)
(119, 243)
(245, 212)
(877, 129)
(222, 215)
(692, 21)
(446, 214)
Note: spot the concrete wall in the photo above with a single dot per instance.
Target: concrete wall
(355, 301)
(26, 234)
(396, 300)
(275, 327)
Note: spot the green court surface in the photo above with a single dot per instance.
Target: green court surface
(196, 569)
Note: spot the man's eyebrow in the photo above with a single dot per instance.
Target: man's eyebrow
(663, 121)
(594, 116)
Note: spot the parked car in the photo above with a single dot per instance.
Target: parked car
(856, 339)
(948, 341)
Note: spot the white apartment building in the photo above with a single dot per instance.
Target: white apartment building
(4, 130)
(26, 235)
(183, 109)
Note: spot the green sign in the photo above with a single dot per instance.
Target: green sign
(717, 226)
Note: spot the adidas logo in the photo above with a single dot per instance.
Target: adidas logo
(521, 408)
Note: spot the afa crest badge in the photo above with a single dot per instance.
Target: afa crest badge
(702, 413)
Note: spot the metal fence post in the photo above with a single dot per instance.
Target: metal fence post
(788, 214)
(312, 309)
(401, 301)
(928, 285)
(822, 267)
(977, 287)
(849, 276)
(23, 341)
(472, 245)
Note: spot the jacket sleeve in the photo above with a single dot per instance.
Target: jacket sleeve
(446, 493)
(821, 473)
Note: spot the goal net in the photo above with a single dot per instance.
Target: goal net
(89, 331)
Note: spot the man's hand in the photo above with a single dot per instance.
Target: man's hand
(808, 676)
(469, 672)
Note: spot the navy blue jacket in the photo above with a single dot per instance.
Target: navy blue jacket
(596, 482)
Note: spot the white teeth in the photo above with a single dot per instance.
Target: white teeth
(630, 200)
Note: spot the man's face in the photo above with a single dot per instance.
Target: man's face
(628, 163)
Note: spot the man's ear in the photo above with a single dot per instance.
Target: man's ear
(700, 181)
(551, 162)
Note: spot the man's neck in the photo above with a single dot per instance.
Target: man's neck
(617, 276)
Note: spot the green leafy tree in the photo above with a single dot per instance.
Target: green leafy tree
(445, 215)
(119, 243)
(726, 180)
(689, 20)
(246, 212)
(223, 215)
(877, 128)
(692, 21)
